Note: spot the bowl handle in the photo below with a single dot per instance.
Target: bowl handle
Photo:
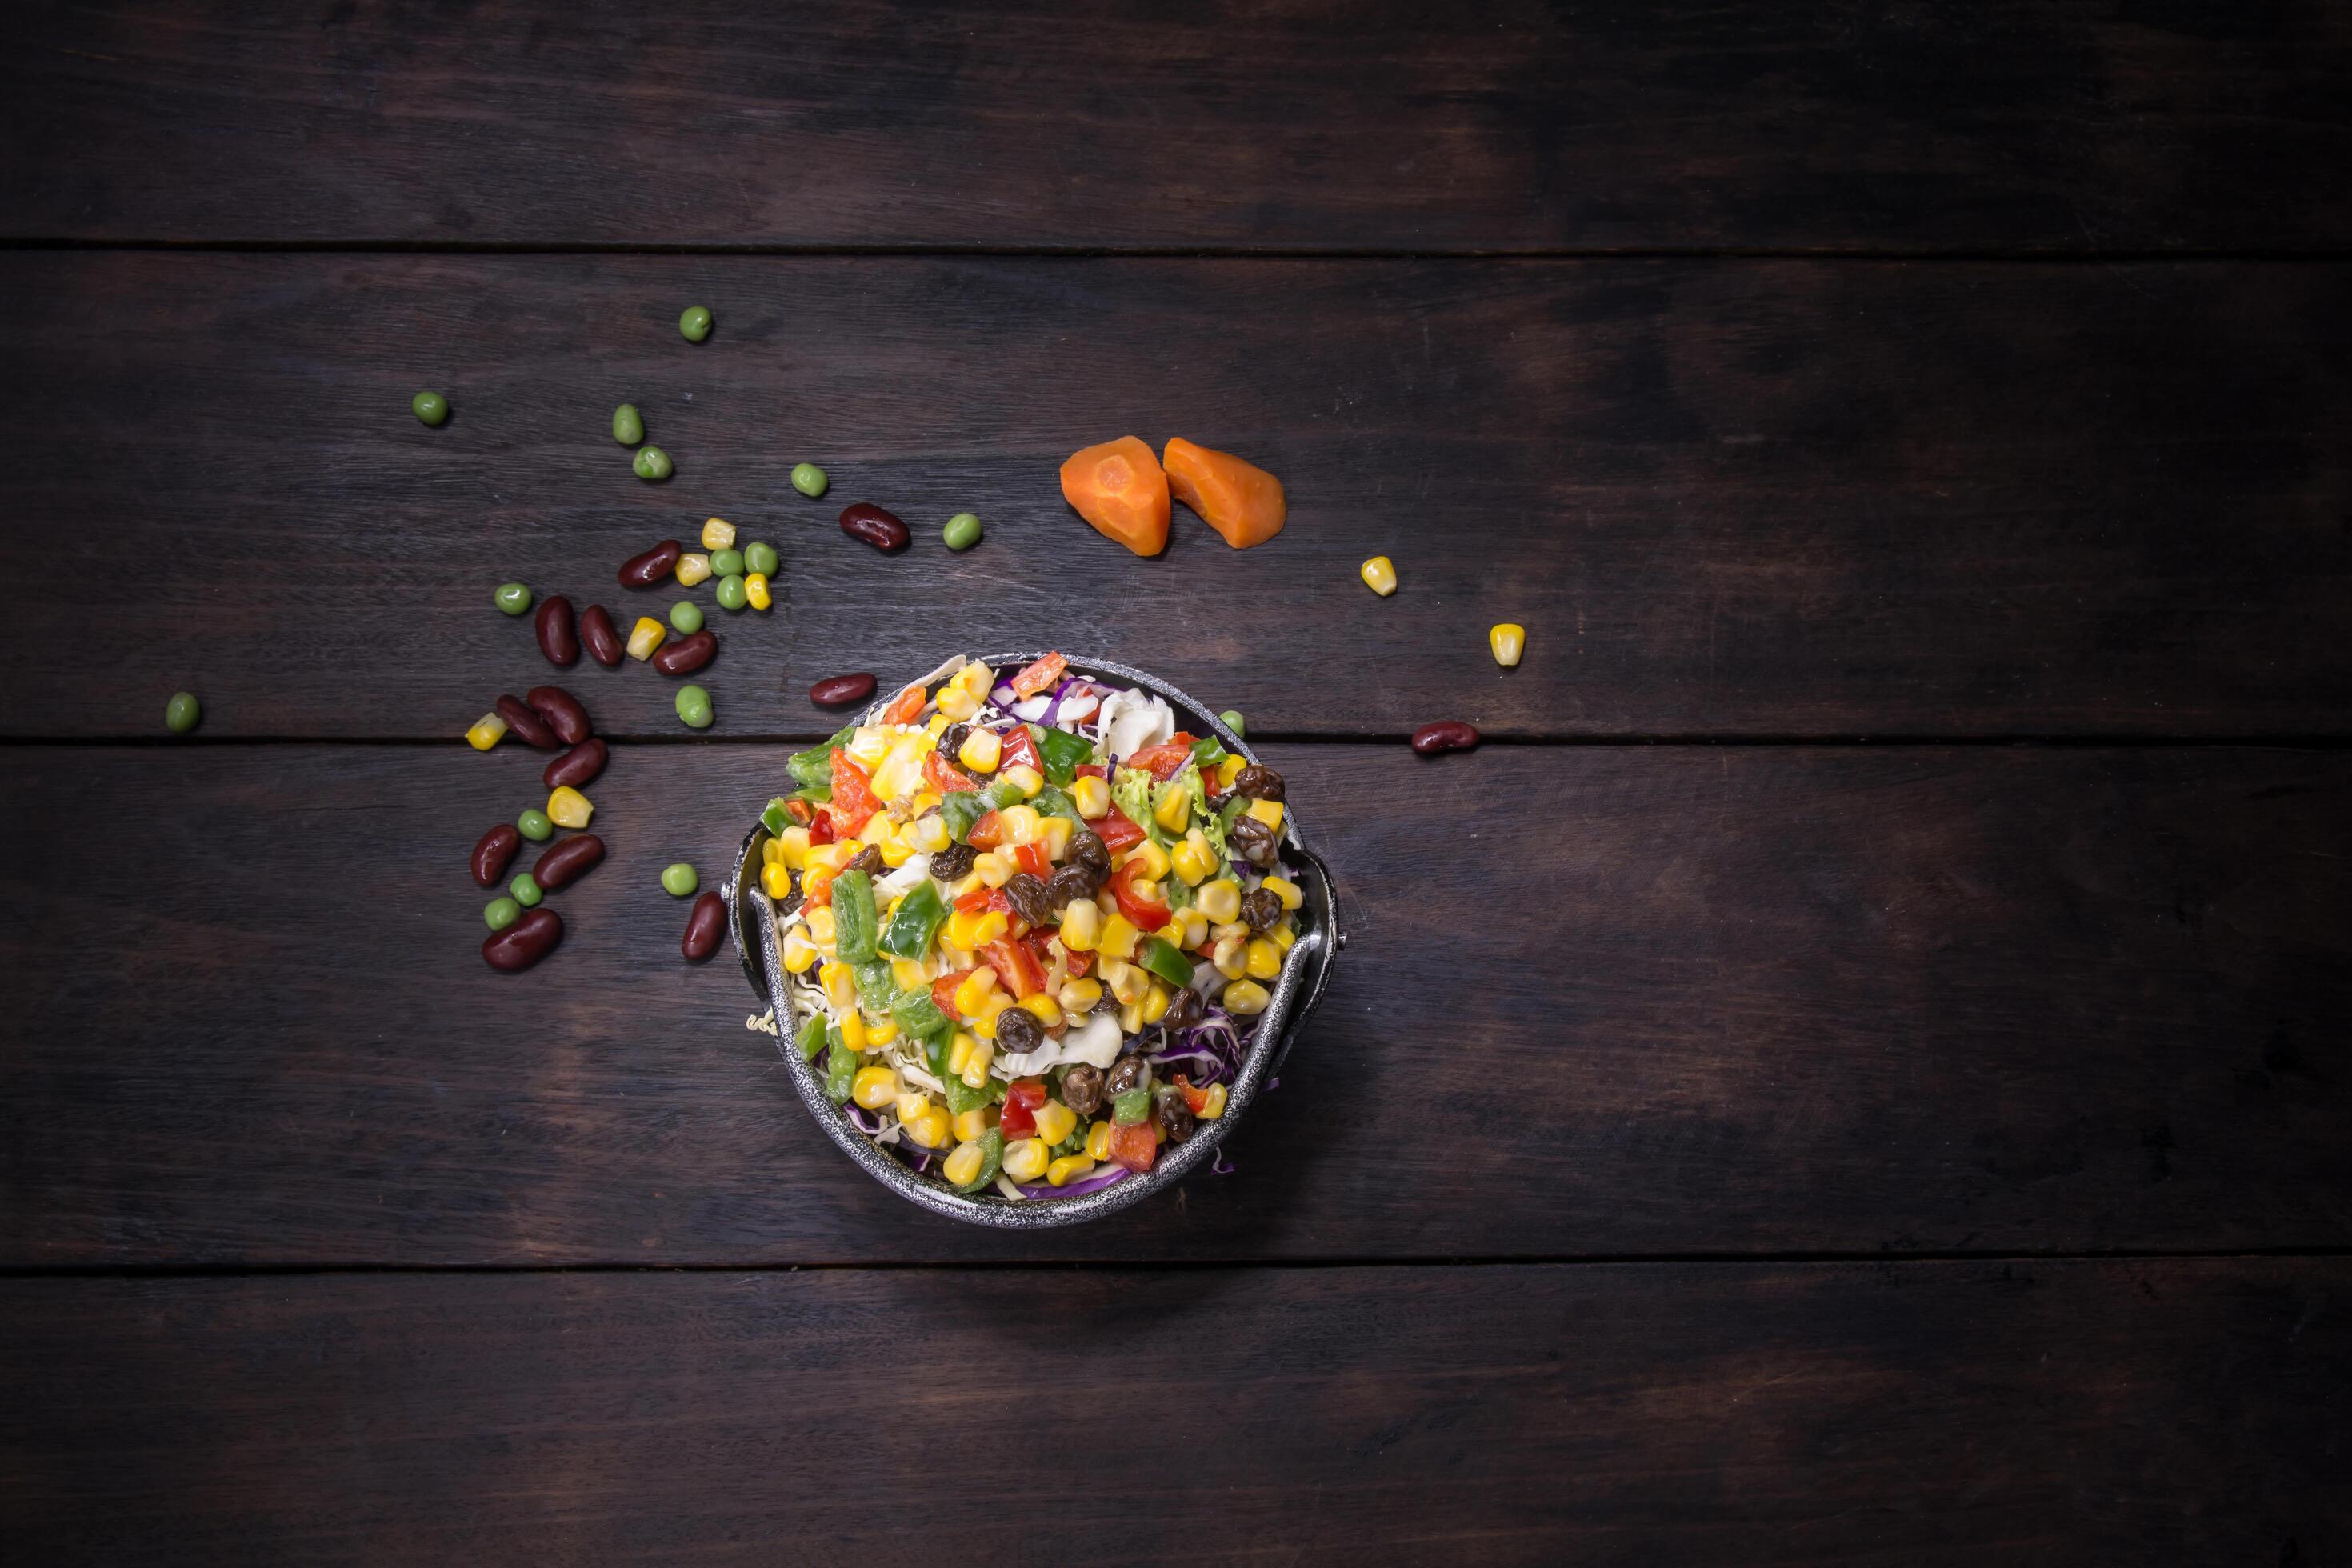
(1327, 947)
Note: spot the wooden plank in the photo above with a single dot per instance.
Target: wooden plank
(1597, 1002)
(1727, 498)
(1513, 126)
(2182, 1411)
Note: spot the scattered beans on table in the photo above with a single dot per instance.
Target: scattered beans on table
(569, 807)
(694, 324)
(500, 913)
(1232, 720)
(687, 617)
(645, 636)
(961, 532)
(1451, 735)
(652, 463)
(679, 880)
(865, 520)
(694, 707)
(687, 655)
(559, 636)
(493, 852)
(809, 479)
(181, 714)
(628, 425)
(603, 642)
(514, 598)
(576, 766)
(429, 406)
(525, 942)
(704, 926)
(692, 567)
(841, 690)
(730, 592)
(566, 863)
(482, 735)
(644, 571)
(761, 557)
(727, 564)
(535, 825)
(525, 890)
(528, 726)
(755, 591)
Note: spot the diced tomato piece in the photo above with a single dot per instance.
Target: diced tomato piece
(943, 990)
(1017, 1120)
(816, 888)
(1197, 1099)
(987, 833)
(1040, 675)
(1018, 748)
(902, 712)
(1017, 969)
(1165, 760)
(821, 828)
(852, 796)
(1093, 771)
(943, 778)
(1134, 1147)
(1144, 909)
(1080, 964)
(802, 811)
(1032, 859)
(983, 898)
(1117, 831)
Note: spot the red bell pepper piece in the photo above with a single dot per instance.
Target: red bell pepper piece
(1023, 1097)
(1037, 677)
(1017, 969)
(1032, 859)
(821, 828)
(1165, 760)
(1145, 910)
(1019, 748)
(1134, 1147)
(980, 899)
(943, 990)
(1117, 831)
(853, 798)
(943, 778)
(1197, 1099)
(1080, 963)
(987, 833)
(802, 811)
(1093, 771)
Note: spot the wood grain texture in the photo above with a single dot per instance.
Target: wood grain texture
(2188, 1412)
(1597, 1001)
(1725, 498)
(2062, 127)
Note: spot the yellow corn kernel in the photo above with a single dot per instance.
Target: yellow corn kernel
(1287, 891)
(1130, 1018)
(881, 1033)
(910, 975)
(983, 1023)
(1380, 575)
(878, 828)
(992, 925)
(896, 851)
(755, 590)
(962, 1167)
(840, 985)
(956, 704)
(1284, 936)
(645, 636)
(970, 880)
(959, 1051)
(1129, 984)
(974, 679)
(1231, 928)
(852, 1030)
(926, 800)
(1098, 1139)
(1173, 931)
(1268, 812)
(1091, 795)
(1081, 926)
(1056, 1122)
(1118, 938)
(962, 929)
(1154, 859)
(1155, 1002)
(792, 846)
(1174, 810)
(1079, 997)
(973, 1123)
(1229, 956)
(1196, 927)
(868, 743)
(1245, 997)
(1262, 960)
(567, 807)
(1509, 639)
(486, 732)
(1068, 1168)
(1042, 1008)
(770, 852)
(1159, 1134)
(717, 533)
(1054, 834)
(971, 993)
(1026, 1159)
(1214, 1105)
(1021, 823)
(799, 953)
(833, 857)
(975, 1071)
(692, 569)
(1228, 771)
(873, 1087)
(912, 1102)
(992, 869)
(928, 835)
(981, 751)
(932, 1128)
(1192, 858)
(821, 925)
(1024, 778)
(1220, 900)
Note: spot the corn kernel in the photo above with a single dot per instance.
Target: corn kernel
(981, 751)
(1262, 960)
(992, 869)
(791, 845)
(896, 851)
(1092, 796)
(1042, 1008)
(1287, 891)
(971, 993)
(567, 807)
(1129, 984)
(1245, 997)
(1284, 936)
(910, 975)
(1192, 858)
(1056, 1122)
(1229, 955)
(717, 533)
(1054, 833)
(486, 732)
(962, 1167)
(755, 590)
(840, 985)
(1021, 823)
(873, 1087)
(821, 925)
(931, 1129)
(1130, 1018)
(1196, 927)
(992, 925)
(878, 828)
(1079, 997)
(692, 569)
(1174, 809)
(1068, 1168)
(1231, 928)
(1228, 771)
(1268, 812)
(1380, 575)
(881, 1033)
(1212, 1105)
(983, 1023)
(973, 1123)
(1509, 639)
(962, 929)
(852, 1030)
(1118, 937)
(1155, 1003)
(1220, 900)
(1026, 1160)
(1024, 778)
(912, 1102)
(974, 680)
(799, 953)
(645, 636)
(956, 704)
(771, 853)
(1098, 1139)
(928, 835)
(960, 1052)
(1081, 926)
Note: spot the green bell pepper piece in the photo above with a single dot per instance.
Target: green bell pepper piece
(852, 917)
(1164, 958)
(920, 914)
(1062, 753)
(811, 1037)
(840, 1068)
(1133, 1107)
(813, 767)
(960, 809)
(991, 1160)
(775, 819)
(936, 1044)
(999, 794)
(878, 988)
(918, 1013)
(961, 1096)
(1052, 802)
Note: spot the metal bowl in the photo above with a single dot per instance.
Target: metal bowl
(1306, 971)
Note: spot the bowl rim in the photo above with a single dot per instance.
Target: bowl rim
(1305, 973)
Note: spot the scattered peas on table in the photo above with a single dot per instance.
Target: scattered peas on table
(525, 888)
(761, 558)
(687, 617)
(514, 598)
(961, 532)
(1232, 720)
(678, 880)
(628, 425)
(181, 714)
(500, 913)
(809, 479)
(429, 406)
(652, 463)
(727, 564)
(694, 324)
(731, 591)
(694, 707)
(533, 825)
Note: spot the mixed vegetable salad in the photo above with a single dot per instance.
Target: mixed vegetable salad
(1037, 924)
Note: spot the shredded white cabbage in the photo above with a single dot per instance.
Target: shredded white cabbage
(1095, 1043)
(1134, 720)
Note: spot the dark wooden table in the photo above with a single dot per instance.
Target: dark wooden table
(1854, 1070)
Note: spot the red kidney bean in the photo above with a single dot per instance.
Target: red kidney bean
(841, 690)
(574, 767)
(557, 638)
(644, 571)
(604, 644)
(563, 712)
(528, 726)
(491, 854)
(1451, 735)
(526, 942)
(567, 860)
(687, 655)
(864, 520)
(704, 927)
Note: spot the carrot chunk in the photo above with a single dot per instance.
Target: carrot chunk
(1240, 501)
(1119, 487)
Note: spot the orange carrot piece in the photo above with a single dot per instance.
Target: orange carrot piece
(1119, 487)
(1240, 501)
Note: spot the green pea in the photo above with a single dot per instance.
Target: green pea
(525, 888)
(678, 880)
(1232, 720)
(696, 323)
(694, 707)
(514, 598)
(534, 826)
(628, 425)
(430, 407)
(651, 463)
(687, 617)
(760, 558)
(809, 479)
(731, 594)
(181, 714)
(962, 531)
(500, 913)
(727, 564)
